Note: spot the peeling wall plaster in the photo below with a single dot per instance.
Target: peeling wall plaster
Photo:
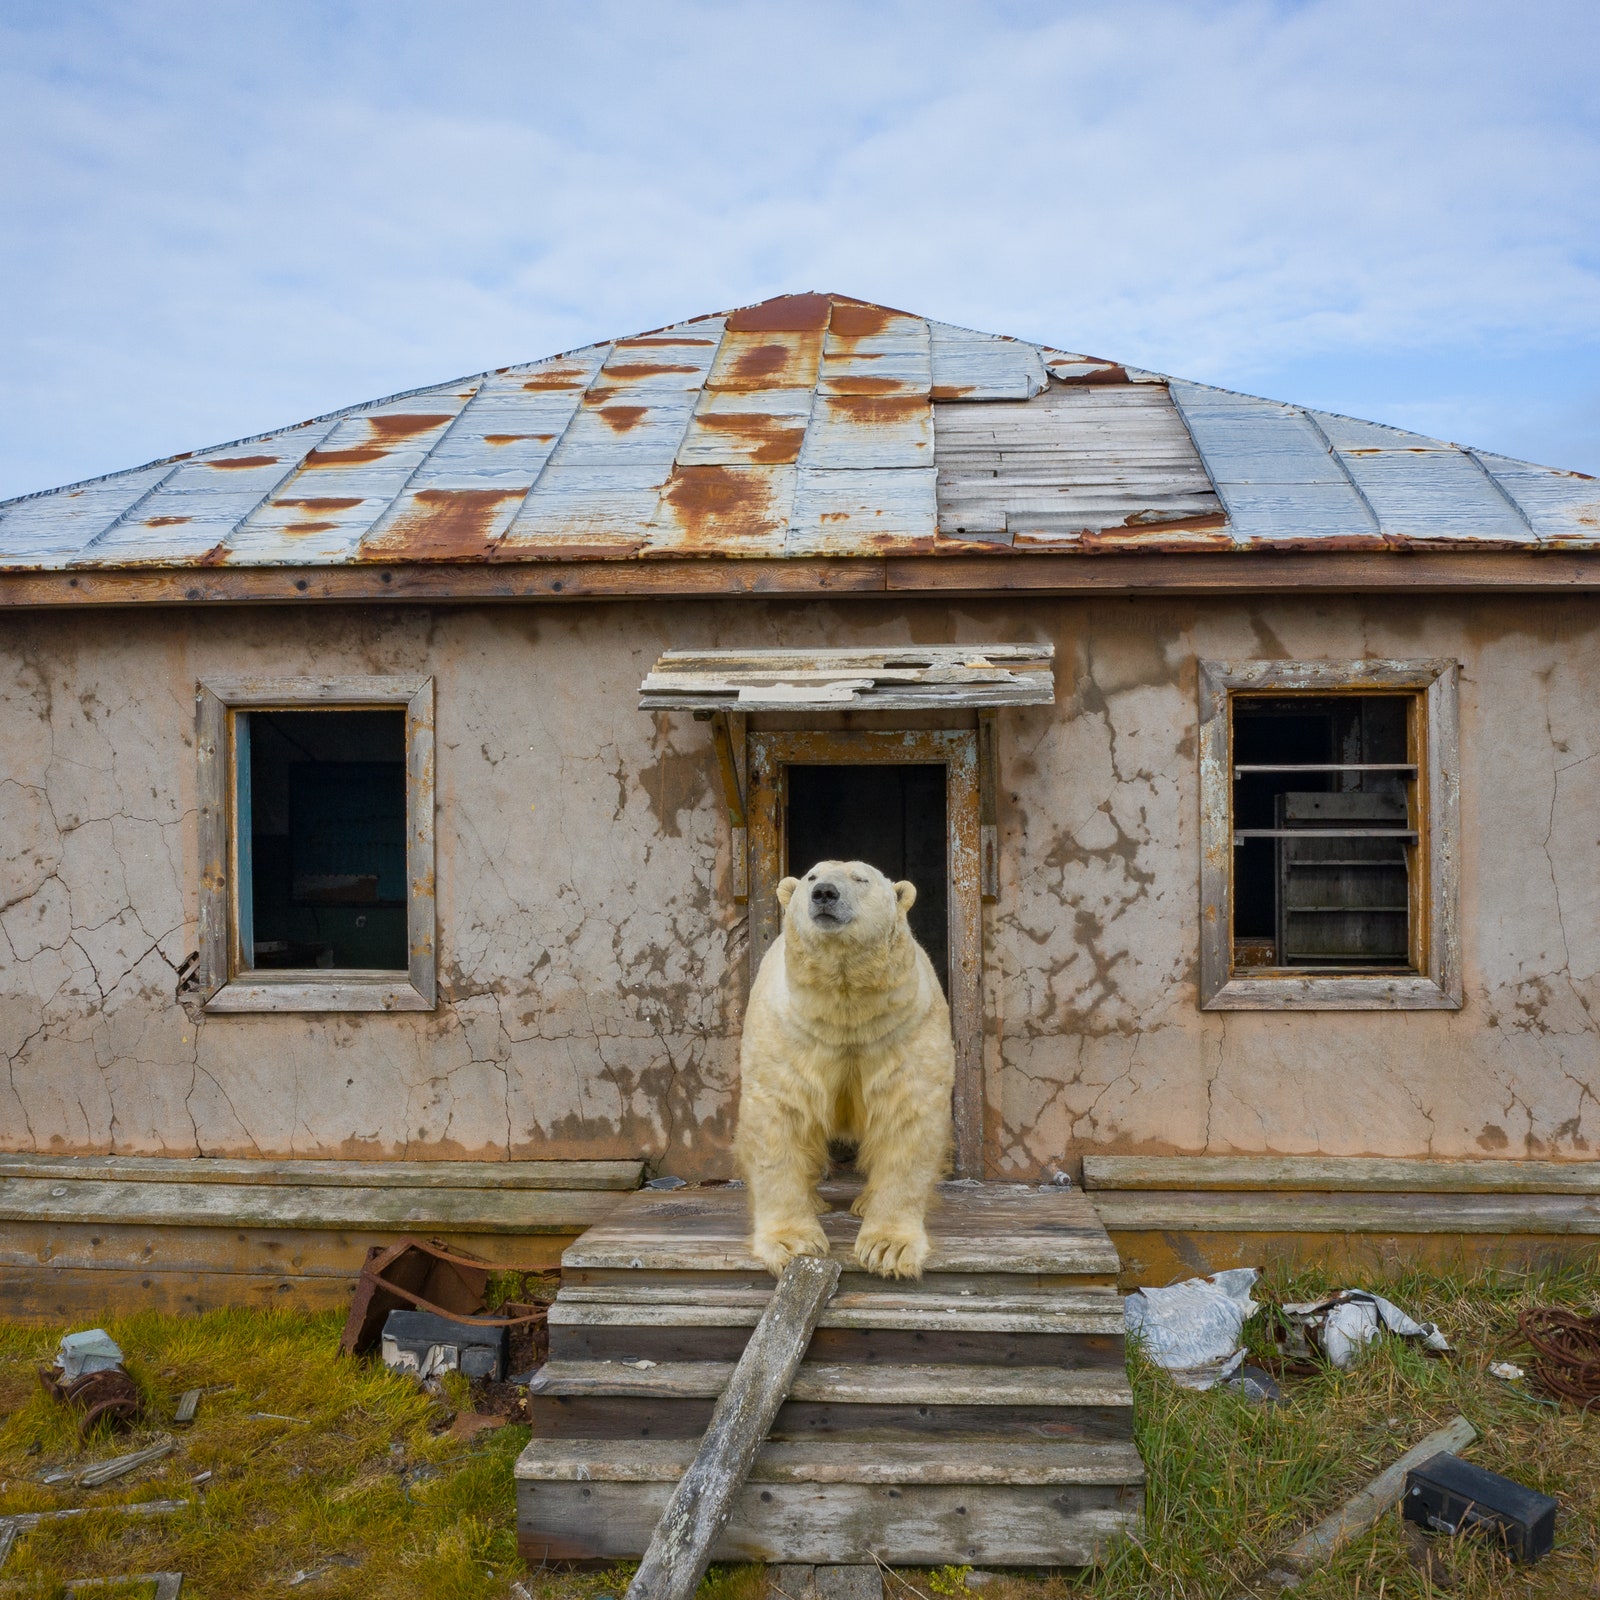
(591, 963)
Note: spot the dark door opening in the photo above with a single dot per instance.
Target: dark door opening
(892, 817)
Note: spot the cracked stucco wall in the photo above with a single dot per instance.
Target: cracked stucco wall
(591, 963)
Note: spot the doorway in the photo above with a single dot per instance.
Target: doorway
(907, 803)
(893, 818)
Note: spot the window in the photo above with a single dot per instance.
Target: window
(317, 835)
(1329, 829)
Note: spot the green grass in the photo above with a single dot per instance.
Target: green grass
(368, 1496)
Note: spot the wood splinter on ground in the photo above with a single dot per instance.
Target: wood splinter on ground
(1366, 1506)
(699, 1508)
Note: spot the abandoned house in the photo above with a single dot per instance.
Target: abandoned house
(394, 803)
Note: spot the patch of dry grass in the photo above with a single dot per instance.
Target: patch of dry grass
(360, 1493)
(365, 1497)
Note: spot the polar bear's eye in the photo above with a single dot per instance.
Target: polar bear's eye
(855, 877)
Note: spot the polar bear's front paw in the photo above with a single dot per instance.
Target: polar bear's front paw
(892, 1250)
(776, 1245)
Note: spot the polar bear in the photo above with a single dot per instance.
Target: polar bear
(847, 1035)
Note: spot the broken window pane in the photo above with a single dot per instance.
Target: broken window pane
(322, 839)
(1324, 833)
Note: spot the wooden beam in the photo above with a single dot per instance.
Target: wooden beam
(614, 1175)
(1341, 1174)
(1212, 572)
(700, 1506)
(1365, 1507)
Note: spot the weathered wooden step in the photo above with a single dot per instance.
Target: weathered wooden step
(1046, 1525)
(974, 1228)
(631, 1417)
(927, 1334)
(906, 1461)
(1093, 1312)
(846, 1383)
(877, 1306)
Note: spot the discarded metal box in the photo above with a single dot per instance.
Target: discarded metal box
(424, 1343)
(1448, 1495)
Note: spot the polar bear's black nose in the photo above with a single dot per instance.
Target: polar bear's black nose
(824, 894)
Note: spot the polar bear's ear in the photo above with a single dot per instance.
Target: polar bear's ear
(786, 889)
(905, 894)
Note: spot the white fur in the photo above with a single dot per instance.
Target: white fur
(847, 1035)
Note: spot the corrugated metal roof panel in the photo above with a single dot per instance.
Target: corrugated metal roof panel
(805, 425)
(1275, 473)
(842, 512)
(48, 530)
(1563, 507)
(978, 366)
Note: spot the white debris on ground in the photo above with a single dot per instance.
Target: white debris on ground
(1195, 1329)
(92, 1350)
(1508, 1370)
(1340, 1326)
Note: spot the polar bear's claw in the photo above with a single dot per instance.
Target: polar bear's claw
(892, 1252)
(776, 1247)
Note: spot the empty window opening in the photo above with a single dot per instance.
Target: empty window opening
(892, 817)
(322, 839)
(1325, 824)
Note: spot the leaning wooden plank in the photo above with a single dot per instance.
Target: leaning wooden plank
(1364, 1508)
(1028, 1525)
(680, 1549)
(611, 1175)
(860, 1383)
(1340, 1174)
(833, 1461)
(1200, 1211)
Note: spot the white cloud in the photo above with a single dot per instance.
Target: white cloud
(220, 218)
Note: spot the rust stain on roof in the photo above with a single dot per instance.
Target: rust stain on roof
(1099, 374)
(565, 375)
(357, 456)
(165, 522)
(401, 426)
(848, 390)
(857, 319)
(869, 411)
(619, 419)
(649, 341)
(716, 506)
(239, 463)
(643, 369)
(515, 438)
(767, 361)
(771, 440)
(326, 502)
(788, 313)
(443, 525)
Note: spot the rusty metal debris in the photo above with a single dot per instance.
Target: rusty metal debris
(1567, 1363)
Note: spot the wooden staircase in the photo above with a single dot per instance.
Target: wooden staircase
(982, 1414)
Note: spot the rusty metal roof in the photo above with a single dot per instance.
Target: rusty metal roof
(809, 425)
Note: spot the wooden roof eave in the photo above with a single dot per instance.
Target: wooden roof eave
(955, 576)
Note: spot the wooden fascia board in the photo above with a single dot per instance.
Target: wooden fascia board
(1224, 572)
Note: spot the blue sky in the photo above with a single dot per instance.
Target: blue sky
(222, 217)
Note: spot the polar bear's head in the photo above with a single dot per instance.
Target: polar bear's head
(847, 901)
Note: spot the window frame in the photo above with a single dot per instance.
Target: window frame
(223, 986)
(1435, 926)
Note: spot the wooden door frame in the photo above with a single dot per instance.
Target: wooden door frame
(770, 756)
